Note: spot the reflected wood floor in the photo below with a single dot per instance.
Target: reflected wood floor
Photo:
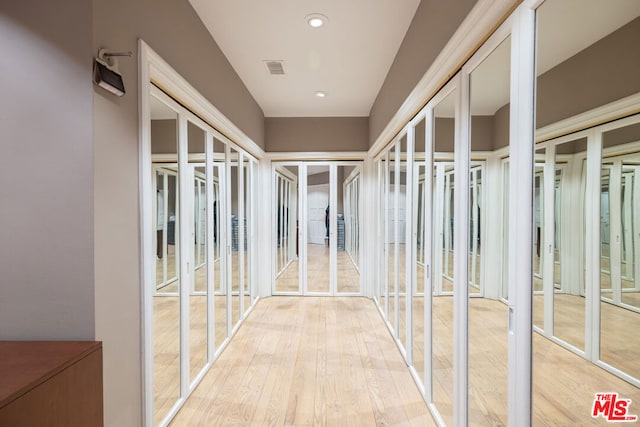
(318, 272)
(308, 361)
(619, 340)
(166, 356)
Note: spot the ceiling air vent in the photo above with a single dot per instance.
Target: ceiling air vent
(275, 67)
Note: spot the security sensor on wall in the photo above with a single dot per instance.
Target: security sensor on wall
(105, 71)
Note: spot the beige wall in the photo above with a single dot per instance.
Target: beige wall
(175, 32)
(501, 127)
(432, 26)
(46, 196)
(482, 134)
(316, 134)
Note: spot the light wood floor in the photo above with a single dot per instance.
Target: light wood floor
(308, 361)
(318, 272)
(288, 364)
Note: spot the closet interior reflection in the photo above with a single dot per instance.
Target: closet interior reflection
(202, 279)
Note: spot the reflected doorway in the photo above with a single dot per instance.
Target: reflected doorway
(316, 247)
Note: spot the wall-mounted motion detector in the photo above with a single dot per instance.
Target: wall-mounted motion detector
(105, 72)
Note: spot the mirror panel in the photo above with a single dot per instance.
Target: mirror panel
(584, 69)
(197, 223)
(383, 233)
(539, 250)
(569, 280)
(166, 300)
(420, 208)
(287, 230)
(246, 220)
(504, 268)
(348, 238)
(487, 316)
(392, 271)
(443, 186)
(619, 238)
(218, 263)
(401, 244)
(318, 218)
(236, 278)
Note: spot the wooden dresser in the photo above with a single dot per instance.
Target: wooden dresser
(50, 383)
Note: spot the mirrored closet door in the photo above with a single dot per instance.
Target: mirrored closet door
(198, 263)
(586, 209)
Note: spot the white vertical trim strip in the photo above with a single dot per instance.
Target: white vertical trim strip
(460, 255)
(241, 220)
(592, 245)
(521, 145)
(387, 232)
(273, 232)
(615, 228)
(396, 238)
(209, 253)
(302, 173)
(547, 252)
(411, 235)
(252, 232)
(185, 250)
(228, 238)
(147, 273)
(333, 229)
(429, 243)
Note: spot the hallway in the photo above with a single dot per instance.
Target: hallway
(308, 361)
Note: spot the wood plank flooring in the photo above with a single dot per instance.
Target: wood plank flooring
(308, 361)
(330, 361)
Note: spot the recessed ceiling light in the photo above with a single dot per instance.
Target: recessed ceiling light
(321, 94)
(316, 20)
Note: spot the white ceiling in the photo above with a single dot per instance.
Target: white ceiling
(349, 58)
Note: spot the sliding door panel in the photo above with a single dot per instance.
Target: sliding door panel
(420, 219)
(619, 235)
(287, 242)
(348, 229)
(197, 224)
(218, 262)
(166, 302)
(442, 172)
(487, 317)
(318, 228)
(236, 245)
(569, 280)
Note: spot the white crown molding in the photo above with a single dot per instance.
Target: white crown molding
(484, 17)
(317, 156)
(606, 113)
(163, 75)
